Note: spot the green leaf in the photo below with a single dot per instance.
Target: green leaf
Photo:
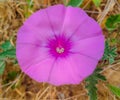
(91, 83)
(2, 67)
(30, 3)
(115, 90)
(12, 75)
(97, 2)
(113, 22)
(75, 3)
(7, 45)
(110, 53)
(64, 2)
(8, 53)
(29, 8)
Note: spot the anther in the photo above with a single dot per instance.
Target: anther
(59, 50)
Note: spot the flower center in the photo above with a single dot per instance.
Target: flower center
(59, 49)
(59, 46)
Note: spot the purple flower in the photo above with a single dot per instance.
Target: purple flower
(59, 45)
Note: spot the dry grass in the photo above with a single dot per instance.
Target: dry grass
(12, 14)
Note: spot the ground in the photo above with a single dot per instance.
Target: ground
(13, 13)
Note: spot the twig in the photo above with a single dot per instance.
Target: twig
(6, 84)
(50, 92)
(86, 4)
(75, 96)
(108, 67)
(88, 11)
(38, 97)
(110, 4)
(118, 4)
(11, 84)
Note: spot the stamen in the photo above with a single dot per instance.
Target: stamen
(59, 50)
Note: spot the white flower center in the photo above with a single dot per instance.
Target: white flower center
(59, 49)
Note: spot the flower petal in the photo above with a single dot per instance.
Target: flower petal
(56, 16)
(28, 54)
(41, 70)
(38, 23)
(91, 47)
(27, 35)
(90, 28)
(74, 18)
(83, 65)
(64, 73)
